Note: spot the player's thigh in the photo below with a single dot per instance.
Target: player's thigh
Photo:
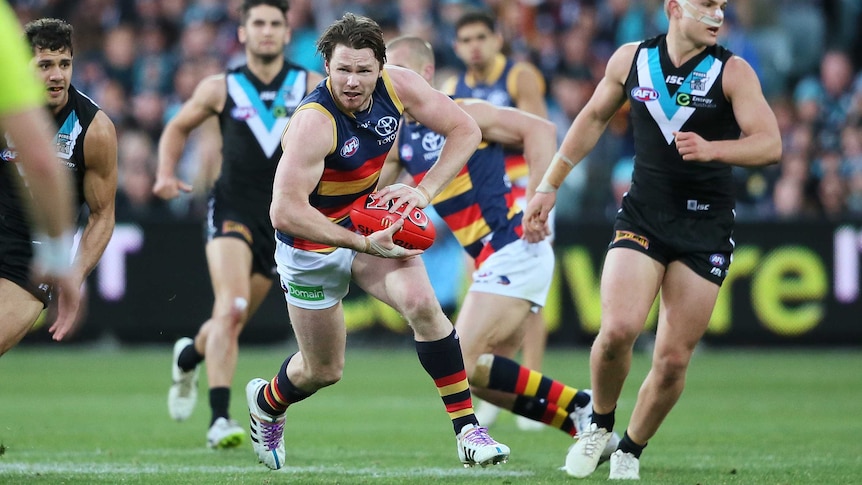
(320, 334)
(18, 310)
(687, 301)
(402, 284)
(630, 283)
(490, 323)
(229, 261)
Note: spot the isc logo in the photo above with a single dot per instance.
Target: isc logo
(643, 94)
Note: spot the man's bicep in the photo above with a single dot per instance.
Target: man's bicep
(100, 158)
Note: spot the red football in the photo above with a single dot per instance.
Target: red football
(369, 215)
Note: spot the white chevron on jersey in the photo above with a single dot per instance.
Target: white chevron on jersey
(667, 114)
(269, 137)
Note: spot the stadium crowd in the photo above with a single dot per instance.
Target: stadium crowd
(140, 59)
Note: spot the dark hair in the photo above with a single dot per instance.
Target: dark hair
(476, 17)
(250, 4)
(49, 34)
(356, 32)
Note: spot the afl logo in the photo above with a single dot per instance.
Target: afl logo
(350, 147)
(407, 153)
(644, 94)
(243, 113)
(717, 260)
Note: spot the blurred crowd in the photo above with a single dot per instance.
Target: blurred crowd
(140, 59)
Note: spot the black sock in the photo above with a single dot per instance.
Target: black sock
(189, 358)
(581, 399)
(219, 403)
(605, 421)
(628, 446)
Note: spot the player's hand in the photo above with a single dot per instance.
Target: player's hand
(170, 187)
(401, 194)
(380, 244)
(535, 221)
(68, 291)
(692, 147)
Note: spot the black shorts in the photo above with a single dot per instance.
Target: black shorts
(225, 219)
(703, 242)
(16, 256)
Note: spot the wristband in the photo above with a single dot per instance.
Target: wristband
(395, 252)
(545, 187)
(53, 255)
(424, 192)
(559, 156)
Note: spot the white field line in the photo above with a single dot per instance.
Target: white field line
(79, 468)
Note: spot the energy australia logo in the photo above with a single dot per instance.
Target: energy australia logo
(307, 293)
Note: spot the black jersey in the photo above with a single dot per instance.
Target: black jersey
(72, 123)
(665, 99)
(252, 122)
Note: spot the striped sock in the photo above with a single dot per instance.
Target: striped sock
(280, 393)
(546, 412)
(443, 361)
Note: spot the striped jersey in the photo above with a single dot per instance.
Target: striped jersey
(352, 167)
(478, 206)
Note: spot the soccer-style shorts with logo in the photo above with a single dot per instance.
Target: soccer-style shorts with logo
(314, 281)
(16, 255)
(236, 220)
(518, 270)
(703, 241)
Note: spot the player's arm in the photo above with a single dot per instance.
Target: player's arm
(511, 126)
(580, 139)
(529, 91)
(308, 139)
(207, 100)
(209, 155)
(100, 189)
(392, 168)
(442, 115)
(760, 143)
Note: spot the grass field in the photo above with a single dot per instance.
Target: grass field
(98, 415)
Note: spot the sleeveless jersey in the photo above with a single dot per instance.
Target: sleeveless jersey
(352, 167)
(73, 121)
(478, 206)
(500, 89)
(665, 99)
(252, 122)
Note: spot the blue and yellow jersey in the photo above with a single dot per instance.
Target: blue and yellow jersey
(499, 89)
(352, 167)
(479, 205)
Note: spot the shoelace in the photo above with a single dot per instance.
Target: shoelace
(591, 441)
(272, 433)
(479, 436)
(625, 464)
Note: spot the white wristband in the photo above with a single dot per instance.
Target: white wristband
(53, 255)
(545, 187)
(395, 252)
(565, 159)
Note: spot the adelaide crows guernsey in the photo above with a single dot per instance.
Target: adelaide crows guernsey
(665, 99)
(499, 89)
(478, 206)
(252, 122)
(352, 167)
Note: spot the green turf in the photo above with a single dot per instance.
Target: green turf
(93, 415)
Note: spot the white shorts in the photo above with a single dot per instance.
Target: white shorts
(313, 281)
(518, 270)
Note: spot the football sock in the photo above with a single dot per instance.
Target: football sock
(628, 446)
(508, 376)
(189, 358)
(219, 403)
(443, 361)
(605, 421)
(280, 393)
(545, 412)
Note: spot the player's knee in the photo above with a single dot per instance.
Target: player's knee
(420, 307)
(670, 367)
(618, 334)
